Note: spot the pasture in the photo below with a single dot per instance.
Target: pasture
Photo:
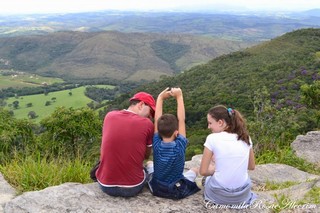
(21, 79)
(44, 105)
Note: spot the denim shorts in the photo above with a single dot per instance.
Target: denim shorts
(177, 190)
(122, 191)
(118, 191)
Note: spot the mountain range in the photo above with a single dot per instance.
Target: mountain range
(134, 46)
(244, 26)
(273, 70)
(110, 54)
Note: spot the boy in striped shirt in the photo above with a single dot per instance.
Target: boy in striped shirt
(169, 145)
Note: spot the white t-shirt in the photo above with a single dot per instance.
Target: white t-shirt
(231, 159)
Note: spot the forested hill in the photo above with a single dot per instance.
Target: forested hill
(110, 55)
(282, 65)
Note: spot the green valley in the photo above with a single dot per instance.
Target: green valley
(43, 105)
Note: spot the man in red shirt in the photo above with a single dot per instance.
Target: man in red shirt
(126, 143)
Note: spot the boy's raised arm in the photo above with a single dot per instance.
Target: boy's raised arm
(159, 106)
(177, 93)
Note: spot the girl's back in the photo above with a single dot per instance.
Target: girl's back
(231, 159)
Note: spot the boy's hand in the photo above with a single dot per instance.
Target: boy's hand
(176, 92)
(165, 93)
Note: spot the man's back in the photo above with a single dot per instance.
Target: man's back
(125, 138)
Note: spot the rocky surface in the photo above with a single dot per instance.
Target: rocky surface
(279, 173)
(76, 197)
(6, 192)
(308, 147)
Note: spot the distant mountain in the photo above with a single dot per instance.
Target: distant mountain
(232, 26)
(110, 55)
(281, 65)
(314, 12)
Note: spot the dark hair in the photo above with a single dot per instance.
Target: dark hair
(134, 102)
(234, 120)
(167, 124)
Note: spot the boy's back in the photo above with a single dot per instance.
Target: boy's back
(169, 158)
(169, 145)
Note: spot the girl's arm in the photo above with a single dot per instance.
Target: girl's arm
(205, 168)
(252, 163)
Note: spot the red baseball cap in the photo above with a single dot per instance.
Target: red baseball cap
(147, 99)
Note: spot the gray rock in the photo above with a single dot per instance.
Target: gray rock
(305, 208)
(75, 197)
(279, 173)
(308, 147)
(296, 192)
(6, 192)
(194, 162)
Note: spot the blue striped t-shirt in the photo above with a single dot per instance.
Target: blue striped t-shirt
(168, 158)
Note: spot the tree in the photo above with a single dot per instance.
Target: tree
(47, 103)
(15, 104)
(311, 97)
(2, 103)
(16, 135)
(29, 104)
(271, 128)
(311, 94)
(71, 132)
(32, 115)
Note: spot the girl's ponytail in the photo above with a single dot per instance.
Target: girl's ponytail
(233, 118)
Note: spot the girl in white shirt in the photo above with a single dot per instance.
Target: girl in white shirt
(230, 146)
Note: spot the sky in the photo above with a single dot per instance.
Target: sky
(66, 6)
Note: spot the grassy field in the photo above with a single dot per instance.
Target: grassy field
(25, 80)
(69, 98)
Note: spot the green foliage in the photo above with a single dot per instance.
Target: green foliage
(15, 135)
(271, 129)
(35, 173)
(63, 151)
(276, 186)
(281, 65)
(286, 156)
(313, 196)
(41, 57)
(100, 94)
(311, 97)
(196, 140)
(311, 94)
(169, 52)
(71, 132)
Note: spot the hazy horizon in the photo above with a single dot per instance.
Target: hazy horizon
(74, 6)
